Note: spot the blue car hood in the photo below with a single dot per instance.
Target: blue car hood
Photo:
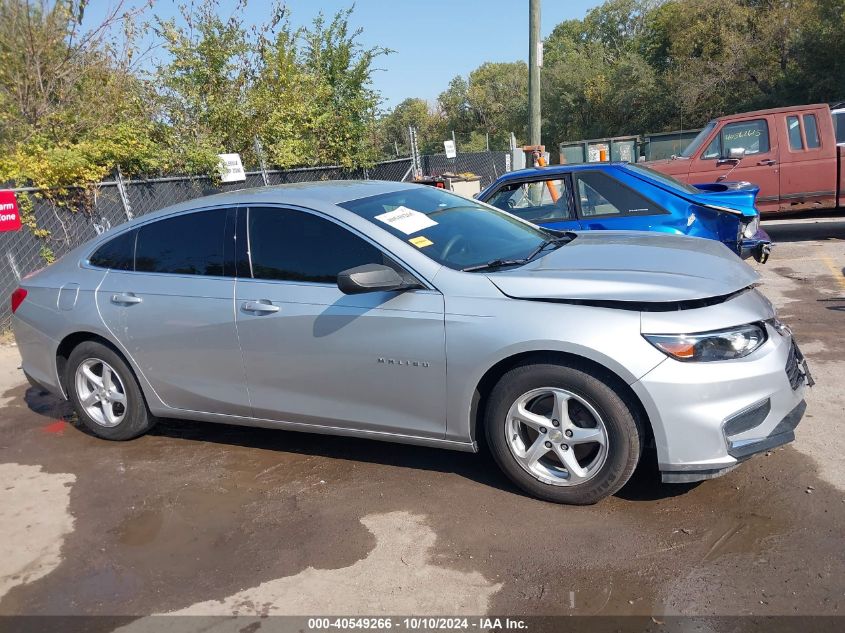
(631, 266)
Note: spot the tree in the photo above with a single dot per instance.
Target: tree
(497, 98)
(454, 104)
(312, 99)
(636, 66)
(346, 104)
(415, 112)
(202, 85)
(491, 101)
(71, 104)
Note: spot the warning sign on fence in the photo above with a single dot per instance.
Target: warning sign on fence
(10, 217)
(232, 170)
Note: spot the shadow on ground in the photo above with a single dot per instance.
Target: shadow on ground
(645, 485)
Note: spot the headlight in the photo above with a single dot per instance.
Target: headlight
(751, 228)
(725, 344)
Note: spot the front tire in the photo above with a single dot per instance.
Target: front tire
(562, 432)
(105, 393)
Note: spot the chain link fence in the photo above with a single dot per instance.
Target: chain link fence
(119, 200)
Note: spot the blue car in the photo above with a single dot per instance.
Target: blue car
(628, 197)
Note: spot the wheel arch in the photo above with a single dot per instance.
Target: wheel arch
(72, 341)
(499, 369)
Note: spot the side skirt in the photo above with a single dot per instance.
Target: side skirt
(467, 447)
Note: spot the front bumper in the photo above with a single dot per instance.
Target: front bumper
(709, 417)
(759, 247)
(782, 434)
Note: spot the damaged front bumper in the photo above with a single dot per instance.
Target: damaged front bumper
(709, 417)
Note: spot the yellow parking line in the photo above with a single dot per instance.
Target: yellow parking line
(834, 270)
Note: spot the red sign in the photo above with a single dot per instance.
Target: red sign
(10, 217)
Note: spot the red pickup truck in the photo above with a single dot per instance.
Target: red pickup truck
(790, 153)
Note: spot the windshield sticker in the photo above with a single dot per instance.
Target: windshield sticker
(406, 220)
(421, 241)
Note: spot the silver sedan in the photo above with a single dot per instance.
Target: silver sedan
(405, 313)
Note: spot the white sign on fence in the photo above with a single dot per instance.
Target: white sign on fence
(231, 168)
(451, 150)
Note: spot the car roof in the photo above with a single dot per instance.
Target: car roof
(557, 169)
(305, 194)
(798, 108)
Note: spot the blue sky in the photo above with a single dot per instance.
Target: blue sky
(433, 40)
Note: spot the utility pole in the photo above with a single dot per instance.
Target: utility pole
(535, 60)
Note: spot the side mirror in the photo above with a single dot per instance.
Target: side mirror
(370, 278)
(736, 152)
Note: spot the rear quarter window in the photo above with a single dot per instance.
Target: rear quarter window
(600, 195)
(117, 254)
(839, 126)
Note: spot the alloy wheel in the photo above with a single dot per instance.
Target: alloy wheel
(556, 436)
(101, 392)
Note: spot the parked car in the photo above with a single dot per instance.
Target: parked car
(406, 313)
(790, 153)
(622, 196)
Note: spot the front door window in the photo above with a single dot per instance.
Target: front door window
(752, 136)
(539, 201)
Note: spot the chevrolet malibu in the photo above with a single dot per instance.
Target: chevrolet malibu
(405, 313)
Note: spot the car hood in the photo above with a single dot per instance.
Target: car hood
(627, 266)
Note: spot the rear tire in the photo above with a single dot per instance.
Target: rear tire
(562, 433)
(105, 393)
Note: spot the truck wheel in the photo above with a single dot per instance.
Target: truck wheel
(105, 393)
(562, 432)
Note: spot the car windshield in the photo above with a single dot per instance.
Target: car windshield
(669, 181)
(454, 231)
(692, 148)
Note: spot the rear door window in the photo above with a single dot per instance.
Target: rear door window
(187, 244)
(601, 195)
(537, 201)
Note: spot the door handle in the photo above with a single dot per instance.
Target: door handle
(263, 307)
(125, 298)
(768, 162)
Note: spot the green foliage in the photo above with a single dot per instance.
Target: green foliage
(74, 106)
(490, 102)
(633, 66)
(312, 98)
(419, 114)
(202, 85)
